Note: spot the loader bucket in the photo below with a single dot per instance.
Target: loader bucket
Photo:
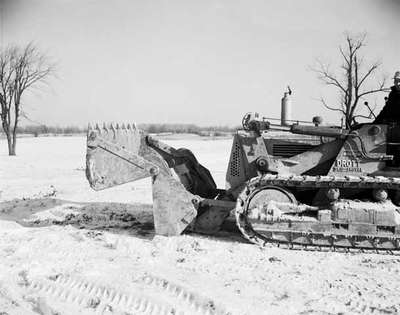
(105, 167)
(121, 154)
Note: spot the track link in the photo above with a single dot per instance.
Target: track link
(320, 241)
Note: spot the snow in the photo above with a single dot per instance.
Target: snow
(66, 249)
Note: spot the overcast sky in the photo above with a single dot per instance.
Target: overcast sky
(204, 62)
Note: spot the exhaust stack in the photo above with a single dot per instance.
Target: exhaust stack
(286, 108)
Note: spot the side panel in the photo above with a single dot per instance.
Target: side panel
(316, 158)
(236, 173)
(364, 154)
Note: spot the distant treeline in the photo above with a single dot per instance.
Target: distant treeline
(43, 129)
(186, 128)
(37, 130)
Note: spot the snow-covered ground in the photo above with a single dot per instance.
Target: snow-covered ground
(65, 249)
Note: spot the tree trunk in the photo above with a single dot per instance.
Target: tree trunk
(11, 145)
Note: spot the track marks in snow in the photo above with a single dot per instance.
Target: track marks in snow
(192, 302)
(149, 295)
(98, 299)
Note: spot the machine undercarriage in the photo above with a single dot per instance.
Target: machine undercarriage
(297, 185)
(268, 212)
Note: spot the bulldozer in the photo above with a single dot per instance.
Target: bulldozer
(298, 185)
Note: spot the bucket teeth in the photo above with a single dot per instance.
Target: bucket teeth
(111, 127)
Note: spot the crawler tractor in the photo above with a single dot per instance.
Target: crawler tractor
(299, 185)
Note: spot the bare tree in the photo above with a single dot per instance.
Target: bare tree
(21, 69)
(351, 81)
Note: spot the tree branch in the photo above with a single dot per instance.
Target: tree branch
(369, 72)
(327, 77)
(331, 108)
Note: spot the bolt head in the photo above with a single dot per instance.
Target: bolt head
(154, 171)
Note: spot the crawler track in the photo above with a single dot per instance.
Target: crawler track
(265, 233)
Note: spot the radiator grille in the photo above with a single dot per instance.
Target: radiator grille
(235, 161)
(289, 150)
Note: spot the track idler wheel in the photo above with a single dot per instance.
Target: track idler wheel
(251, 205)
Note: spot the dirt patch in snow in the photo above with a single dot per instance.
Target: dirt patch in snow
(132, 219)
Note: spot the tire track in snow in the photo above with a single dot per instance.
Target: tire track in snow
(87, 295)
(165, 298)
(190, 301)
